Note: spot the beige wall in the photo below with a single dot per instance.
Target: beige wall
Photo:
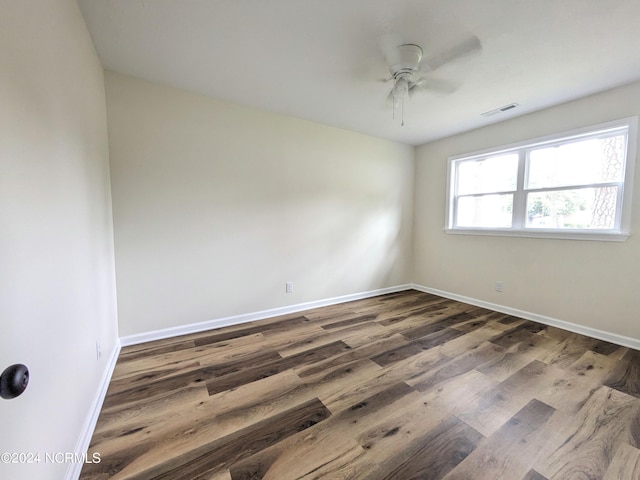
(56, 247)
(594, 284)
(217, 205)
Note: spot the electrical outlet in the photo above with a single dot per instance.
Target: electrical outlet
(499, 286)
(98, 350)
(288, 287)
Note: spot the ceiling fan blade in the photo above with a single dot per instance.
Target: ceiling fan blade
(468, 47)
(390, 97)
(390, 101)
(433, 84)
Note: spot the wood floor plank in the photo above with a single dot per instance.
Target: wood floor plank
(383, 377)
(389, 438)
(421, 316)
(220, 453)
(130, 391)
(360, 330)
(300, 454)
(625, 377)
(566, 392)
(523, 338)
(358, 338)
(121, 420)
(387, 410)
(230, 410)
(264, 328)
(605, 348)
(147, 350)
(470, 360)
(435, 454)
(434, 327)
(521, 348)
(625, 464)
(405, 446)
(227, 451)
(349, 322)
(401, 386)
(533, 475)
(193, 369)
(582, 448)
(513, 449)
(368, 350)
(502, 402)
(416, 346)
(594, 366)
(271, 366)
(238, 348)
(568, 349)
(470, 341)
(307, 336)
(381, 436)
(345, 385)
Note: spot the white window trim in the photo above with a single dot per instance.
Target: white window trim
(574, 234)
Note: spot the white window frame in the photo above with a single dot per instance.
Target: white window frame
(623, 213)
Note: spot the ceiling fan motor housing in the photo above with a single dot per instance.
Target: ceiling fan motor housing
(408, 60)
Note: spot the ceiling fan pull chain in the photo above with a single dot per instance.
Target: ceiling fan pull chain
(402, 124)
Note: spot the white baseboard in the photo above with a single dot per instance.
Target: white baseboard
(250, 317)
(554, 322)
(74, 469)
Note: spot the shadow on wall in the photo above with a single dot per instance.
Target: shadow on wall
(205, 248)
(343, 243)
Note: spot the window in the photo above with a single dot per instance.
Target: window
(573, 185)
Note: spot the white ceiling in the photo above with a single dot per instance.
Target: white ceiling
(319, 59)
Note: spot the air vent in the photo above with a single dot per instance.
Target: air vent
(506, 108)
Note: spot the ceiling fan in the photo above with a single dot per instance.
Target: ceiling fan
(406, 63)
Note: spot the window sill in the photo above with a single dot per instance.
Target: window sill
(553, 234)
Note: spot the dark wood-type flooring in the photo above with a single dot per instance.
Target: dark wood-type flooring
(401, 386)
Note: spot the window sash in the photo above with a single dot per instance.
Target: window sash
(625, 127)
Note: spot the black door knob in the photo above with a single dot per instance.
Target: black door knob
(14, 381)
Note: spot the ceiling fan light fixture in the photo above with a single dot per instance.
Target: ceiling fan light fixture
(400, 88)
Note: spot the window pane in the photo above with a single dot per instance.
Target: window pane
(596, 160)
(489, 211)
(584, 208)
(493, 174)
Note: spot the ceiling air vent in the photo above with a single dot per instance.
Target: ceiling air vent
(506, 108)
